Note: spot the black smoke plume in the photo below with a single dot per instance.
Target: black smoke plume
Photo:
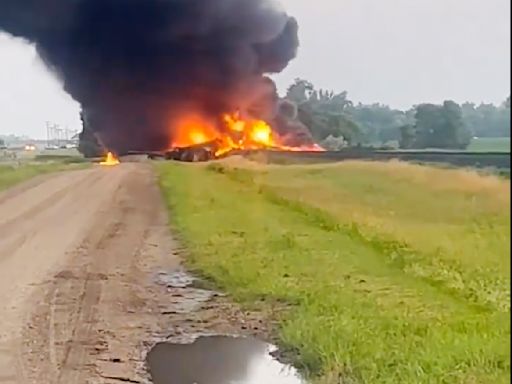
(136, 66)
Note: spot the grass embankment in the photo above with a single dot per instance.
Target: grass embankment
(395, 273)
(11, 175)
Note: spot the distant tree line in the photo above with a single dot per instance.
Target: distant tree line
(337, 122)
(487, 120)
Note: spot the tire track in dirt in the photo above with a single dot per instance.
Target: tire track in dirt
(42, 228)
(78, 290)
(102, 300)
(16, 227)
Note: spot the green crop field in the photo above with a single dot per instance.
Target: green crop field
(391, 272)
(490, 144)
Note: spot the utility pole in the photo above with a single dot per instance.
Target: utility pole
(58, 134)
(47, 134)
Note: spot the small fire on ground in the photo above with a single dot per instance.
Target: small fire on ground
(110, 160)
(195, 135)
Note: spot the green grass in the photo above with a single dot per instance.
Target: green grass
(11, 175)
(392, 272)
(65, 159)
(490, 144)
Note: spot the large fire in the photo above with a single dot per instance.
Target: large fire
(237, 133)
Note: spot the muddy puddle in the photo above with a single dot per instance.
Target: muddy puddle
(219, 360)
(183, 298)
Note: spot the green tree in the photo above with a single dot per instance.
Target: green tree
(407, 136)
(378, 122)
(453, 133)
(324, 112)
(437, 126)
(487, 120)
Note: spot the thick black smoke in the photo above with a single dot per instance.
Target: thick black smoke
(136, 66)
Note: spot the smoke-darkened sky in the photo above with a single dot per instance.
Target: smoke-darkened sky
(398, 52)
(138, 68)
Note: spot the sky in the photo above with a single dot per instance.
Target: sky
(396, 52)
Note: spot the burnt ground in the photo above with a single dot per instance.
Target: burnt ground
(90, 280)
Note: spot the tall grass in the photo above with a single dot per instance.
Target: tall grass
(394, 273)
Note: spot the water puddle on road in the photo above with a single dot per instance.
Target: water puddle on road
(219, 360)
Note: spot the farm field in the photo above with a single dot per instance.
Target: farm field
(388, 272)
(13, 174)
(491, 144)
(481, 144)
(27, 164)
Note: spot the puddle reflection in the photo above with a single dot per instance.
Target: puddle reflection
(219, 360)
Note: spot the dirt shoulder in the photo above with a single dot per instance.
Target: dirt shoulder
(84, 258)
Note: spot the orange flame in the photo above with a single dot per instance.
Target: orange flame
(193, 130)
(238, 134)
(245, 134)
(110, 160)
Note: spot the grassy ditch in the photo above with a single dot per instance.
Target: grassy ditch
(394, 273)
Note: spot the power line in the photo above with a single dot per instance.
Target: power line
(57, 136)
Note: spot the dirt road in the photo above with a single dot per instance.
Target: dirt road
(77, 253)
